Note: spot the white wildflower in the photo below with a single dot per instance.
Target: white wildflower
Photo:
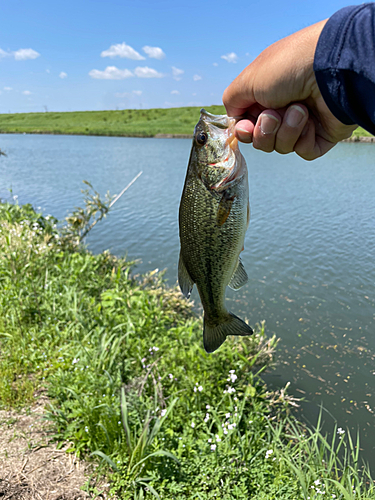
(268, 453)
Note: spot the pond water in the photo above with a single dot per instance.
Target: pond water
(309, 251)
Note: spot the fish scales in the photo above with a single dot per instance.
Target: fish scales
(213, 218)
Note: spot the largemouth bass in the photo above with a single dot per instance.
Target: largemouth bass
(213, 218)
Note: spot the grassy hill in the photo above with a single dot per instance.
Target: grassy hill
(127, 122)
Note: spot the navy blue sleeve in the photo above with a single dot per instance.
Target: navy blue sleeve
(344, 65)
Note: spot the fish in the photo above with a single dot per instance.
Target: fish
(214, 215)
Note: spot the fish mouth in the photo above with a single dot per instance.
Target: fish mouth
(223, 122)
(222, 125)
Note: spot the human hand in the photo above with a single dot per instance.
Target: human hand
(279, 102)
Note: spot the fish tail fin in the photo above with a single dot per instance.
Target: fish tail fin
(214, 335)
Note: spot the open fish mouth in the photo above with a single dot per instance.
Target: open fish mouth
(224, 123)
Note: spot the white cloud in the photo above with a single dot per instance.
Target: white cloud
(63, 74)
(8, 88)
(177, 73)
(48, 71)
(24, 54)
(26, 92)
(20, 54)
(122, 50)
(154, 52)
(176, 92)
(146, 72)
(196, 78)
(137, 92)
(111, 73)
(215, 64)
(4, 54)
(231, 57)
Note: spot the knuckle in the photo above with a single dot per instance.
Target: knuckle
(306, 154)
(284, 150)
(263, 147)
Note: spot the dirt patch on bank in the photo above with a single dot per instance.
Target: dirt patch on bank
(31, 466)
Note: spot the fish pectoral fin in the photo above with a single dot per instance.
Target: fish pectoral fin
(184, 280)
(239, 277)
(214, 335)
(225, 206)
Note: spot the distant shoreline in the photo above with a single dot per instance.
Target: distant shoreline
(361, 139)
(367, 139)
(137, 136)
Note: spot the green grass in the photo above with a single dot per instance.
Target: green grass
(132, 387)
(360, 132)
(129, 122)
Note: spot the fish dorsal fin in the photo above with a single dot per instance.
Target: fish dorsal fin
(239, 277)
(225, 206)
(184, 280)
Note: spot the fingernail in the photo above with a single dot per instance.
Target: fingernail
(243, 135)
(268, 123)
(294, 116)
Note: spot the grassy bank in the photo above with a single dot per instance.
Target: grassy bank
(129, 122)
(132, 387)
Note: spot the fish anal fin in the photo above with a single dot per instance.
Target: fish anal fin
(239, 277)
(184, 279)
(225, 206)
(214, 335)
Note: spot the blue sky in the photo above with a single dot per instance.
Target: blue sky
(92, 55)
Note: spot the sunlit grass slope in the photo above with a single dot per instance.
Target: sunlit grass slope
(129, 122)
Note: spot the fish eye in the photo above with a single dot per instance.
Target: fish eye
(201, 138)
